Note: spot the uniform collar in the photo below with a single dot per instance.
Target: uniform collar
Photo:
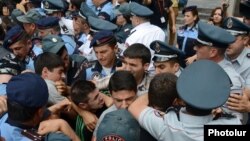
(16, 124)
(194, 120)
(242, 56)
(178, 73)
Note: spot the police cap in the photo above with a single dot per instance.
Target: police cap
(164, 52)
(235, 26)
(198, 85)
(140, 10)
(211, 35)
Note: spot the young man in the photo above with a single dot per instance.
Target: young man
(105, 47)
(50, 67)
(136, 60)
(122, 86)
(19, 43)
(166, 58)
(87, 97)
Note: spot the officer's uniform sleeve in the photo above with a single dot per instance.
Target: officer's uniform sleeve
(152, 121)
(247, 83)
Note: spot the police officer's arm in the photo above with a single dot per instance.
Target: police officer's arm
(138, 106)
(56, 125)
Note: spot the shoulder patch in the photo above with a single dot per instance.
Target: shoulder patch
(159, 113)
(113, 138)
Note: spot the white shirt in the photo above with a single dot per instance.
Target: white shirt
(145, 33)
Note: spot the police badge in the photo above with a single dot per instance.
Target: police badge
(157, 48)
(46, 4)
(229, 23)
(95, 75)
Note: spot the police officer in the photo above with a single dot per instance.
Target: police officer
(57, 9)
(48, 25)
(123, 22)
(143, 32)
(212, 47)
(237, 53)
(28, 22)
(19, 43)
(91, 25)
(166, 58)
(104, 45)
(200, 97)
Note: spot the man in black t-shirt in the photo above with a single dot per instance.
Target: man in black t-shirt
(87, 98)
(161, 9)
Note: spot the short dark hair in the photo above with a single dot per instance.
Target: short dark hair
(122, 80)
(77, 3)
(80, 90)
(140, 51)
(162, 91)
(49, 60)
(19, 113)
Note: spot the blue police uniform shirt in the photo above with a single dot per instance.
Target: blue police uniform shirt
(242, 65)
(30, 59)
(91, 73)
(70, 43)
(11, 133)
(106, 7)
(2, 89)
(185, 39)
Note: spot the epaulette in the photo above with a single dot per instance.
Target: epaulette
(32, 135)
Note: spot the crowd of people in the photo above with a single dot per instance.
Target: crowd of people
(100, 70)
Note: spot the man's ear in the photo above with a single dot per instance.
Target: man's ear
(146, 66)
(44, 73)
(176, 67)
(82, 105)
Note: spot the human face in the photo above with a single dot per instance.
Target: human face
(217, 17)
(120, 20)
(234, 49)
(105, 55)
(95, 100)
(65, 58)
(122, 99)
(21, 49)
(202, 52)
(134, 20)
(163, 67)
(44, 32)
(189, 18)
(135, 66)
(29, 28)
(56, 74)
(79, 25)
